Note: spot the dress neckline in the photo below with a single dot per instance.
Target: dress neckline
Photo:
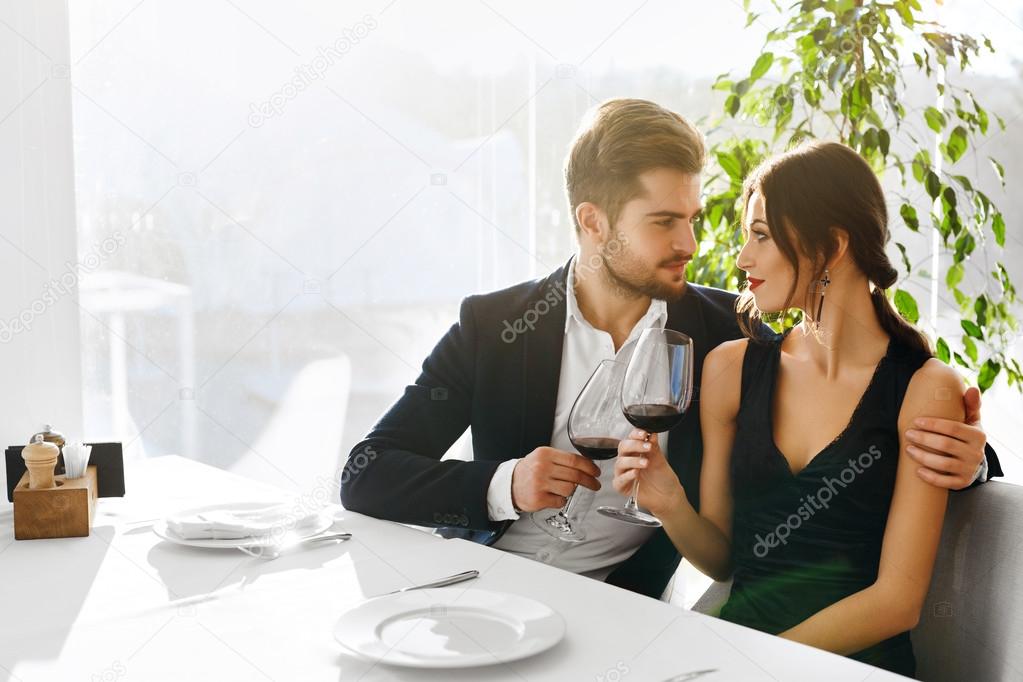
(852, 418)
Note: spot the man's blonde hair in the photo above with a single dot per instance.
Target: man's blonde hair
(620, 140)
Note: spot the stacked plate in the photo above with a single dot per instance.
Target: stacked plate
(241, 524)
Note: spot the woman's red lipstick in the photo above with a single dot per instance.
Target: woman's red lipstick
(754, 282)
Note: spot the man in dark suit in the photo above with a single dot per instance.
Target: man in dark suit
(515, 360)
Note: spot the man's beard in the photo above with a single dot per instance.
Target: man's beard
(630, 279)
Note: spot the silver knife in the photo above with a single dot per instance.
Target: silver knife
(450, 580)
(691, 675)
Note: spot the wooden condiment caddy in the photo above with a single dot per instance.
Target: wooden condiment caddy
(64, 511)
(54, 506)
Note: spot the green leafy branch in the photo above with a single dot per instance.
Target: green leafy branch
(834, 69)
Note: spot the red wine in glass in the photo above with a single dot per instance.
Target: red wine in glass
(653, 417)
(596, 447)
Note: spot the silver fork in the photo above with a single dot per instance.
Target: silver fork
(270, 552)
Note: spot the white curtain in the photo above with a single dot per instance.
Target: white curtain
(40, 377)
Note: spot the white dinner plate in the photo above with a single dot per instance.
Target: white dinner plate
(323, 521)
(449, 627)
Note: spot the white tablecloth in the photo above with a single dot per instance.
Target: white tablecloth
(122, 604)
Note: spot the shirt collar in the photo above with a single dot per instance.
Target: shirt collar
(656, 315)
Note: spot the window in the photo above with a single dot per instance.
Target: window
(299, 196)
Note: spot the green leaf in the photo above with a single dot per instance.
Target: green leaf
(982, 120)
(964, 182)
(907, 15)
(970, 347)
(948, 198)
(906, 305)
(972, 329)
(885, 141)
(908, 214)
(905, 258)
(921, 164)
(942, 352)
(954, 275)
(732, 105)
(980, 308)
(964, 246)
(762, 65)
(870, 141)
(933, 184)
(730, 165)
(998, 227)
(988, 371)
(836, 72)
(956, 146)
(999, 170)
(935, 119)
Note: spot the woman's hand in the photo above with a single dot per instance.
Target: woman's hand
(659, 487)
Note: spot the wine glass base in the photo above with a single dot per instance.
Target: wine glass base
(570, 538)
(559, 527)
(633, 516)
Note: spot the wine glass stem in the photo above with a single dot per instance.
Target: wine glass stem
(631, 503)
(570, 504)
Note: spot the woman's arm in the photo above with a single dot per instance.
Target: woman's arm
(892, 604)
(703, 538)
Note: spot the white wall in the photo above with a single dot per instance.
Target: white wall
(40, 375)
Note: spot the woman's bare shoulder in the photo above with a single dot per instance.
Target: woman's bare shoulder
(935, 390)
(726, 356)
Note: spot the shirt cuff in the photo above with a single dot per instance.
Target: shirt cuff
(499, 493)
(981, 472)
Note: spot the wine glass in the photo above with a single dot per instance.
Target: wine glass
(656, 392)
(595, 426)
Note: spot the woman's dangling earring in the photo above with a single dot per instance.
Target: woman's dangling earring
(823, 286)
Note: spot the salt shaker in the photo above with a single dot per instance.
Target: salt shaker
(40, 459)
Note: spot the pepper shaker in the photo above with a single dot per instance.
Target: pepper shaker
(57, 438)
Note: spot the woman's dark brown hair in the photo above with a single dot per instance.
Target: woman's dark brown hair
(808, 192)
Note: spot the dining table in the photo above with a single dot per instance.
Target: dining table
(124, 603)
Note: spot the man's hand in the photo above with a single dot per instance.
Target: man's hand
(948, 451)
(545, 478)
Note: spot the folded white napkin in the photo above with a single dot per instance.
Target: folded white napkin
(233, 524)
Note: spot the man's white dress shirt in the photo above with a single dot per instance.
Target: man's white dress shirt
(608, 542)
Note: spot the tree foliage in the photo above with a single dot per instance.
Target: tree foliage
(835, 69)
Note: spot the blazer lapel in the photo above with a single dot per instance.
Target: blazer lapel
(541, 361)
(686, 316)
